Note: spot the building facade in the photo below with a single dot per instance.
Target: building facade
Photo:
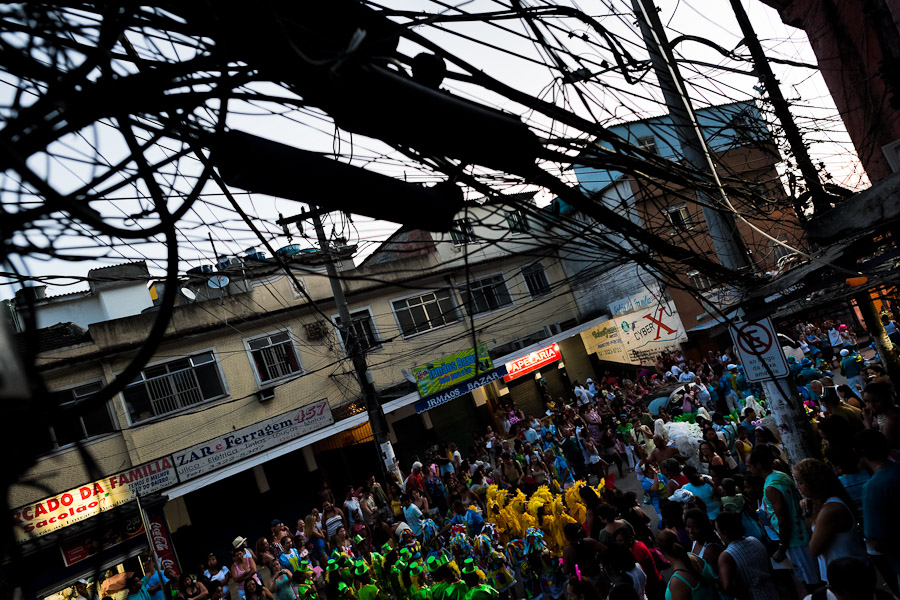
(250, 403)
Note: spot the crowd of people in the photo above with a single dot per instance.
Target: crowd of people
(517, 515)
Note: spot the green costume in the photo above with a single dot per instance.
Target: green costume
(370, 591)
(453, 591)
(482, 592)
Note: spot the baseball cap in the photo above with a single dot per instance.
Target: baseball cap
(845, 352)
(731, 366)
(681, 495)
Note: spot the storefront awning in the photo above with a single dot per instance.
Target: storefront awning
(262, 457)
(413, 397)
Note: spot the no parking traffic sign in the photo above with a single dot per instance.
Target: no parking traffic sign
(757, 345)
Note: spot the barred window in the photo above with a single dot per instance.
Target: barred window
(517, 221)
(536, 280)
(462, 232)
(274, 356)
(425, 312)
(363, 329)
(487, 294)
(173, 385)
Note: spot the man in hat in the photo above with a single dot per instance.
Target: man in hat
(241, 542)
(808, 369)
(852, 367)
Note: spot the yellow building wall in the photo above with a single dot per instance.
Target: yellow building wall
(327, 373)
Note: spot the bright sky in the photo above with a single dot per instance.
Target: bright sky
(612, 100)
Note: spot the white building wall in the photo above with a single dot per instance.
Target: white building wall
(125, 301)
(81, 311)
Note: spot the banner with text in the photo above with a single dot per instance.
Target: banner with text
(636, 337)
(532, 362)
(447, 372)
(92, 499)
(458, 390)
(232, 447)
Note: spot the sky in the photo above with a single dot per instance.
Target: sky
(500, 53)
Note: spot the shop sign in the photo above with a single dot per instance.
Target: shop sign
(460, 390)
(532, 362)
(447, 372)
(253, 439)
(86, 546)
(633, 303)
(637, 337)
(162, 543)
(89, 500)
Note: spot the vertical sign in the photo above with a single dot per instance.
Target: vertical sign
(757, 345)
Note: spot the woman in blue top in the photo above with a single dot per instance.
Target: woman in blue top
(704, 490)
(692, 578)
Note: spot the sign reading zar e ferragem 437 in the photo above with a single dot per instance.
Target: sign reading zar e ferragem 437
(247, 441)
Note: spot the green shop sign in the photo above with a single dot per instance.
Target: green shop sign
(451, 370)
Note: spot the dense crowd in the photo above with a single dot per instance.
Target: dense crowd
(517, 514)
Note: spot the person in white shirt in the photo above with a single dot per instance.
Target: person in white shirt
(686, 377)
(677, 371)
(581, 394)
(592, 388)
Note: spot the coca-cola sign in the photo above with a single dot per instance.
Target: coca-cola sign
(162, 543)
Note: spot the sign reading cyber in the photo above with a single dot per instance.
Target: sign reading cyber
(234, 446)
(447, 372)
(532, 362)
(636, 337)
(92, 499)
(460, 389)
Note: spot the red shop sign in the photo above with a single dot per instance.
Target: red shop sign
(532, 362)
(162, 543)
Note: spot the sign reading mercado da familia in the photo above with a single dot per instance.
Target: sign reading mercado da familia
(253, 439)
(62, 510)
(636, 337)
(451, 370)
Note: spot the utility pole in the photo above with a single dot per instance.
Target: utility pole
(722, 227)
(351, 344)
(786, 408)
(820, 198)
(872, 321)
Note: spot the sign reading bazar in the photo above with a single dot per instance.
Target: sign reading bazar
(458, 390)
(92, 499)
(232, 447)
(451, 370)
(532, 362)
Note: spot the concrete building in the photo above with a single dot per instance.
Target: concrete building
(743, 150)
(250, 394)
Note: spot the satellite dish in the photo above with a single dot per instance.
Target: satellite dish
(218, 282)
(408, 376)
(189, 294)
